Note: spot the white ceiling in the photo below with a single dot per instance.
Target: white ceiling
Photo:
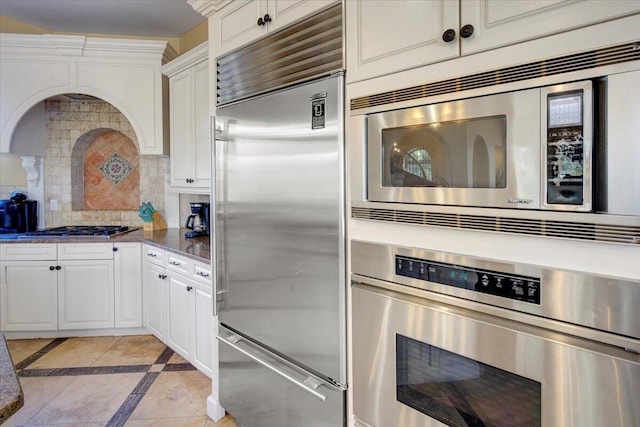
(161, 18)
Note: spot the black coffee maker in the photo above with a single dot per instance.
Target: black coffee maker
(198, 221)
(18, 215)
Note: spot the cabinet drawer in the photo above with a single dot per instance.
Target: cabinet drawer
(179, 264)
(28, 252)
(80, 251)
(153, 254)
(202, 273)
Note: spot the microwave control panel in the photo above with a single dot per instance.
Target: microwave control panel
(512, 286)
(565, 148)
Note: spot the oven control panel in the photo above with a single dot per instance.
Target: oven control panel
(513, 286)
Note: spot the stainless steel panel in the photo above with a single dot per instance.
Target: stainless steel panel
(583, 383)
(280, 224)
(603, 303)
(311, 47)
(522, 148)
(521, 73)
(261, 389)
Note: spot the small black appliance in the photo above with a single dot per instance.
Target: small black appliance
(18, 214)
(198, 221)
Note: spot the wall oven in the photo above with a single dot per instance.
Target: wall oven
(444, 339)
(530, 149)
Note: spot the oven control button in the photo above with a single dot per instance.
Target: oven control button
(518, 290)
(423, 271)
(533, 292)
(485, 283)
(500, 286)
(413, 269)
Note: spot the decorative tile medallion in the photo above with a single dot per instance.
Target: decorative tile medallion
(116, 169)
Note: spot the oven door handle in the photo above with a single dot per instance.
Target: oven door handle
(309, 385)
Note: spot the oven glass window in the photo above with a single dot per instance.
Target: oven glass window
(459, 154)
(459, 391)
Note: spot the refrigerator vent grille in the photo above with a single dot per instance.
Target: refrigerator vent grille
(535, 227)
(310, 48)
(580, 61)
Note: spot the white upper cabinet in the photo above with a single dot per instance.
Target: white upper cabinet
(244, 21)
(189, 119)
(387, 36)
(499, 23)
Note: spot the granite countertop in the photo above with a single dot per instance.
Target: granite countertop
(11, 396)
(171, 239)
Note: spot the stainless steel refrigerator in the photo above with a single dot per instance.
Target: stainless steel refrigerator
(279, 256)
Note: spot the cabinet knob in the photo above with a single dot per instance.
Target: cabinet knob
(58, 267)
(260, 22)
(267, 18)
(52, 267)
(189, 288)
(449, 35)
(466, 31)
(115, 249)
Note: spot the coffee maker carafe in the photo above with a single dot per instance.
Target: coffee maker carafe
(198, 221)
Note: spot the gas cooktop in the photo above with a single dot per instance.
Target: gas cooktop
(81, 231)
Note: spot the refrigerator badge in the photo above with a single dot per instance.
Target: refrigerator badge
(318, 110)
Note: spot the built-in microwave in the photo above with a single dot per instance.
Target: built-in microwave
(529, 149)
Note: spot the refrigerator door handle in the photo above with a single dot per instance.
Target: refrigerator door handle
(309, 385)
(217, 138)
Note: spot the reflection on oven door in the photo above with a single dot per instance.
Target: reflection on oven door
(418, 363)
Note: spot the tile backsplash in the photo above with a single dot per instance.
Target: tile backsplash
(70, 123)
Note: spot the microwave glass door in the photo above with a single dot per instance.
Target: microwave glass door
(458, 154)
(481, 151)
(459, 391)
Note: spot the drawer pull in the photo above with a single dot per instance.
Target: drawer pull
(151, 254)
(174, 263)
(200, 273)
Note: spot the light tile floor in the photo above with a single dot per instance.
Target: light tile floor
(132, 381)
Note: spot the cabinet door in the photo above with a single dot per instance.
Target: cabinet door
(201, 153)
(202, 357)
(387, 36)
(180, 325)
(127, 267)
(28, 296)
(180, 87)
(285, 12)
(237, 25)
(85, 294)
(154, 298)
(499, 23)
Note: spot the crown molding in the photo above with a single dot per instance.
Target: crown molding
(194, 56)
(81, 46)
(208, 7)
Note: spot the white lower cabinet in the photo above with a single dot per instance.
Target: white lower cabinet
(180, 330)
(154, 299)
(178, 304)
(85, 294)
(28, 296)
(127, 268)
(202, 357)
(69, 286)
